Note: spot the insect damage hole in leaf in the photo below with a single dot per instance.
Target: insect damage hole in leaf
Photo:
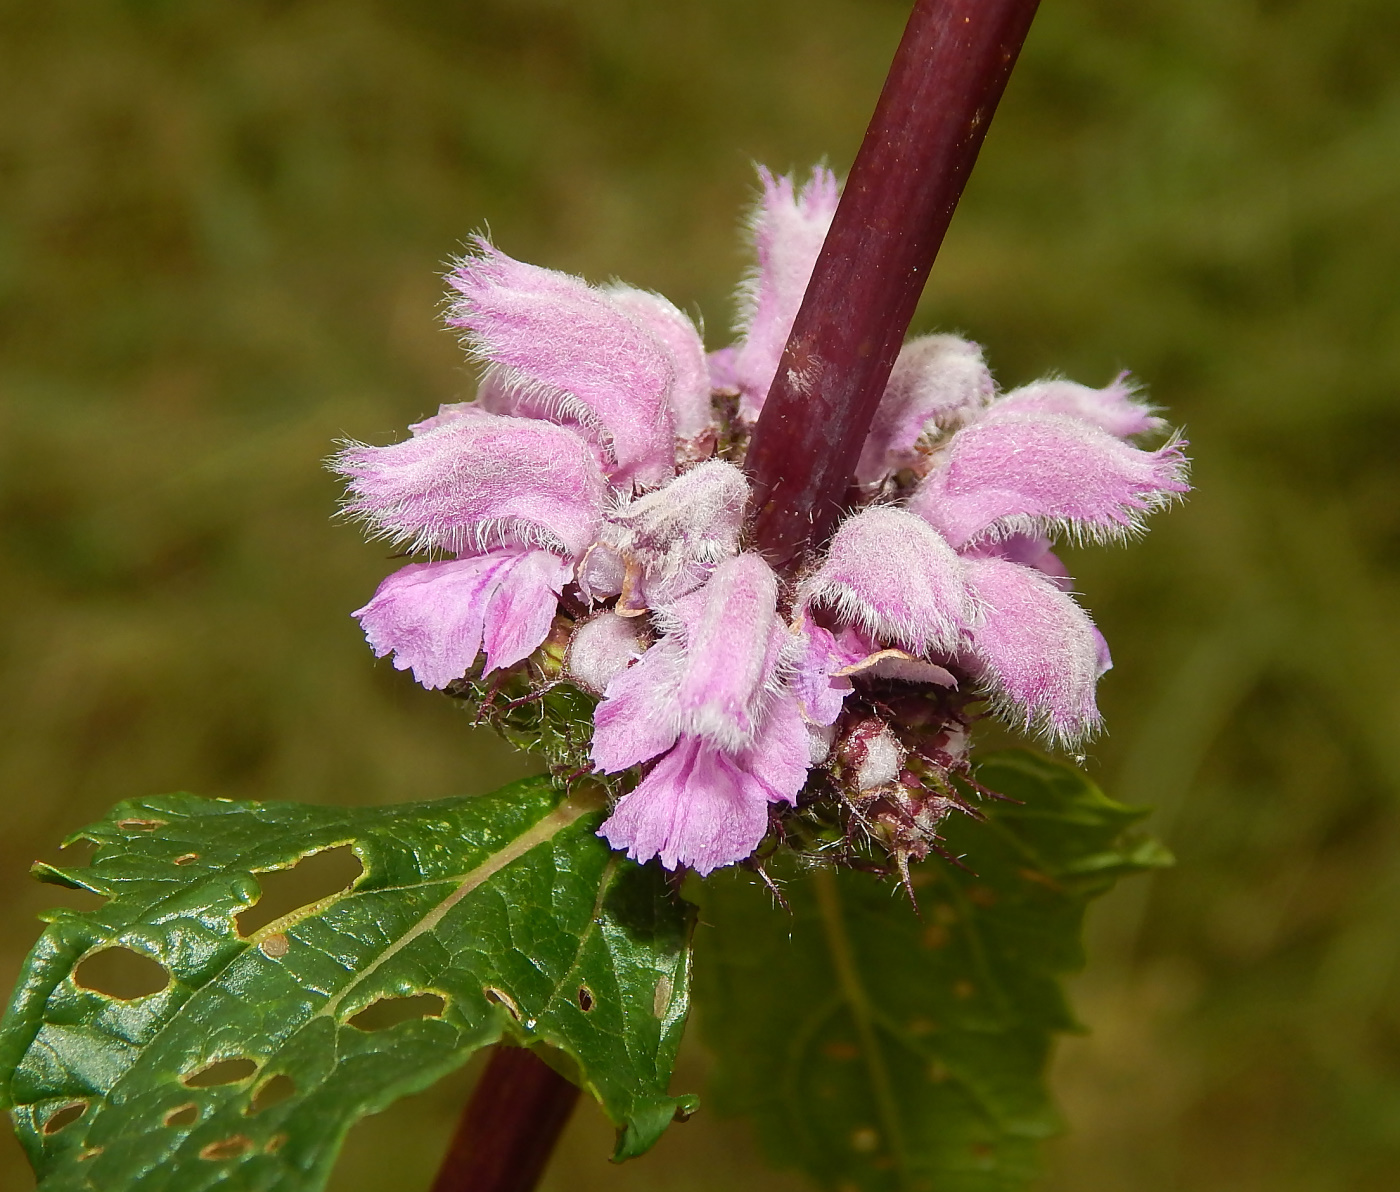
(422, 924)
(65, 1116)
(390, 1011)
(122, 974)
(315, 877)
(501, 998)
(585, 998)
(139, 825)
(273, 1090)
(182, 1115)
(221, 1072)
(227, 1148)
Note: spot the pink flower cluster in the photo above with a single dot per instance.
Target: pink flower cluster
(596, 466)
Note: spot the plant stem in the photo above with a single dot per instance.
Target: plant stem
(943, 87)
(510, 1125)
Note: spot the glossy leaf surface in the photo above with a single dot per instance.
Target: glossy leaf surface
(473, 920)
(882, 1050)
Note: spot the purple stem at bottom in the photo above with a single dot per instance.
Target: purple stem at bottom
(507, 1132)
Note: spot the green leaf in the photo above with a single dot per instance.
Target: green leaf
(882, 1049)
(506, 907)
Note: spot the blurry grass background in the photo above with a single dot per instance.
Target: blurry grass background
(221, 225)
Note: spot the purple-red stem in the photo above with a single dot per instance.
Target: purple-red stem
(508, 1130)
(947, 77)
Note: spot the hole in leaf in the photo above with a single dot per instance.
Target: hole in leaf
(185, 1115)
(122, 974)
(390, 1011)
(65, 1116)
(220, 1072)
(585, 998)
(308, 881)
(502, 998)
(228, 1148)
(276, 946)
(279, 1088)
(140, 825)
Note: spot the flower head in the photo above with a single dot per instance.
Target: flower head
(583, 520)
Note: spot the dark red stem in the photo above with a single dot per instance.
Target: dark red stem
(508, 1130)
(948, 75)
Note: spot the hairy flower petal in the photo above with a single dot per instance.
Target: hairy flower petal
(1043, 473)
(1114, 408)
(561, 350)
(1030, 550)
(691, 410)
(820, 658)
(476, 480)
(447, 412)
(721, 365)
(788, 225)
(891, 574)
(1036, 650)
(712, 676)
(601, 648)
(675, 534)
(696, 807)
(637, 718)
(734, 644)
(705, 807)
(436, 617)
(937, 382)
(779, 755)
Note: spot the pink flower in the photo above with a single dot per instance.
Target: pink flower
(436, 617)
(976, 586)
(890, 573)
(560, 349)
(788, 226)
(590, 491)
(937, 383)
(710, 701)
(1048, 474)
(582, 392)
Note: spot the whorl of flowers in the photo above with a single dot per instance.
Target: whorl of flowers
(592, 489)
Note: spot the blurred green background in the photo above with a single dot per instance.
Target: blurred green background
(221, 225)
